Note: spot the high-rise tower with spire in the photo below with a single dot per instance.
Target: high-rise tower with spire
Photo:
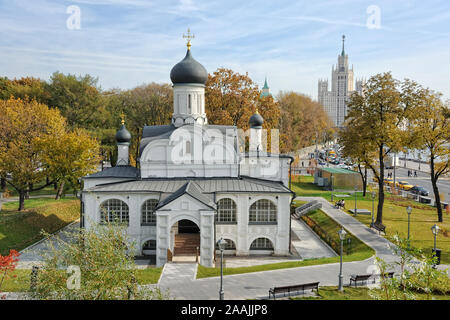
(342, 86)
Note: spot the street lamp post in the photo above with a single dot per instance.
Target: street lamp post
(331, 187)
(435, 230)
(342, 234)
(408, 211)
(356, 189)
(374, 194)
(221, 243)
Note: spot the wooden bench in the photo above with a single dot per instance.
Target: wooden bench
(294, 288)
(365, 277)
(378, 228)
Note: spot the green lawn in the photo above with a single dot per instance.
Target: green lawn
(395, 218)
(45, 191)
(358, 251)
(20, 282)
(361, 293)
(21, 229)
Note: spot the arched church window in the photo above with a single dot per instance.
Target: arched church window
(261, 244)
(189, 102)
(114, 210)
(226, 210)
(148, 216)
(263, 211)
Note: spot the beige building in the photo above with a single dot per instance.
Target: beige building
(342, 86)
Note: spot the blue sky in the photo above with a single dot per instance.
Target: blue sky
(294, 43)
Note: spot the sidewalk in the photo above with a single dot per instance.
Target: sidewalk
(256, 285)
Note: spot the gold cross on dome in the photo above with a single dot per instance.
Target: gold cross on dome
(189, 36)
(123, 118)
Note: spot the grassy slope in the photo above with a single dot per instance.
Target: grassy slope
(20, 280)
(21, 229)
(352, 244)
(359, 252)
(395, 218)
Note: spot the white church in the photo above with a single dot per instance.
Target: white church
(194, 183)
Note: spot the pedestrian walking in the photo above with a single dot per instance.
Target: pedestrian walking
(415, 173)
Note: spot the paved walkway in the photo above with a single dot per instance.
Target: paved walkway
(256, 285)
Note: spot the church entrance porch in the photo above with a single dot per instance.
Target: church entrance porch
(186, 235)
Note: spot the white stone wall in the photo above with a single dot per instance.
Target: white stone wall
(268, 168)
(243, 234)
(185, 207)
(188, 104)
(190, 152)
(136, 233)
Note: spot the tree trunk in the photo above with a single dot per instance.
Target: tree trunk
(365, 181)
(379, 220)
(55, 186)
(2, 184)
(363, 178)
(22, 194)
(437, 197)
(60, 191)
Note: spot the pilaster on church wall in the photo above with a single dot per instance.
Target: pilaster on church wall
(242, 225)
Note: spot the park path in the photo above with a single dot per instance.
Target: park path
(255, 285)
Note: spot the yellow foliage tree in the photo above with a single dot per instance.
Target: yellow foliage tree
(31, 134)
(73, 154)
(430, 126)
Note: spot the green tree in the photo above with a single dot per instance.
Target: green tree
(354, 146)
(430, 127)
(79, 99)
(150, 104)
(102, 258)
(27, 88)
(379, 115)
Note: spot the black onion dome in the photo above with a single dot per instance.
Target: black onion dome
(188, 70)
(256, 121)
(123, 135)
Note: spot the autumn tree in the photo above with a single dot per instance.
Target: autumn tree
(26, 88)
(74, 154)
(149, 104)
(430, 125)
(30, 135)
(379, 115)
(232, 98)
(351, 139)
(303, 121)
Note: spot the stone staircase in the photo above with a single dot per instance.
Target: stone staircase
(186, 244)
(307, 207)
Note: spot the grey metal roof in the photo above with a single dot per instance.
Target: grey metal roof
(116, 172)
(206, 185)
(192, 189)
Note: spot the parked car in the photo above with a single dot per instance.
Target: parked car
(405, 185)
(420, 191)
